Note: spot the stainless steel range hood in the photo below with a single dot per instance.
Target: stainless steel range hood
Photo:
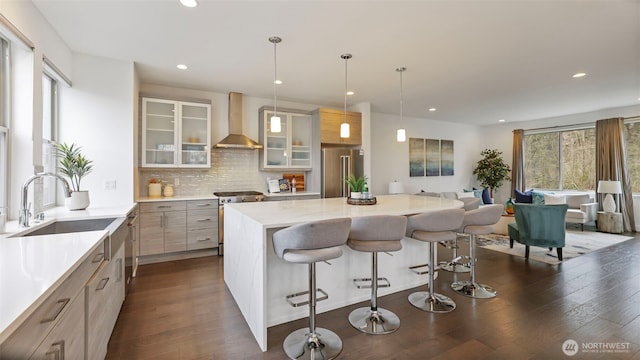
(236, 138)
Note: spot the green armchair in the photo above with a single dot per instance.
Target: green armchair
(539, 225)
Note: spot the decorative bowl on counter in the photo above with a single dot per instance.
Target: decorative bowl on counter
(371, 201)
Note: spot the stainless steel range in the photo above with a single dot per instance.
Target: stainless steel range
(226, 197)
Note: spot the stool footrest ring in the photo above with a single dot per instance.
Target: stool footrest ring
(293, 303)
(417, 269)
(365, 283)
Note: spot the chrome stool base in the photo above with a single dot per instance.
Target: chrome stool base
(371, 322)
(473, 289)
(300, 344)
(456, 267)
(436, 303)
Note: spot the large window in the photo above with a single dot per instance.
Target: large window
(566, 159)
(632, 141)
(49, 138)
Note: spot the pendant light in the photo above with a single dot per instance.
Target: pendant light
(401, 133)
(344, 127)
(275, 124)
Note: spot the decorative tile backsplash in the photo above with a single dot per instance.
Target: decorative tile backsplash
(231, 169)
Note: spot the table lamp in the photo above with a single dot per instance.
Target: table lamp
(396, 187)
(609, 187)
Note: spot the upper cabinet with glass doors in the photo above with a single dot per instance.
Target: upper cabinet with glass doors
(175, 134)
(291, 147)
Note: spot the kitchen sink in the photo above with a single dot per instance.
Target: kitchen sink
(69, 226)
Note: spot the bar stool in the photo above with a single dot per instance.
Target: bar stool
(454, 265)
(434, 227)
(373, 234)
(477, 222)
(309, 243)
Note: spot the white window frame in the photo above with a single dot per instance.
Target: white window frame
(49, 141)
(5, 134)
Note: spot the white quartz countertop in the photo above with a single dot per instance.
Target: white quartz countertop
(32, 267)
(286, 213)
(298, 193)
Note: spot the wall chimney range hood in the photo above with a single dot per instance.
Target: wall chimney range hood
(236, 139)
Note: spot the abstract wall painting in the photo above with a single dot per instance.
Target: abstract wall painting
(446, 157)
(433, 157)
(430, 157)
(416, 157)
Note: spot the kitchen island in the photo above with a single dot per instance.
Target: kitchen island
(259, 280)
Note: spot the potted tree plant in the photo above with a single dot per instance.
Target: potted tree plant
(356, 184)
(491, 170)
(75, 166)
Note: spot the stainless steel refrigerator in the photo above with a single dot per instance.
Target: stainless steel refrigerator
(337, 164)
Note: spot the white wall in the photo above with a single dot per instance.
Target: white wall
(391, 159)
(97, 114)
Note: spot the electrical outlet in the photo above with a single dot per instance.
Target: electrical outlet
(110, 185)
(176, 181)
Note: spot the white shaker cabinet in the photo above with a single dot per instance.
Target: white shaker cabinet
(291, 148)
(175, 134)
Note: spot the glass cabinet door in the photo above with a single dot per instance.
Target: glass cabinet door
(160, 132)
(300, 141)
(276, 143)
(195, 134)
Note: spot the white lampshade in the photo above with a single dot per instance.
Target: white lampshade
(609, 187)
(401, 135)
(344, 130)
(275, 125)
(396, 187)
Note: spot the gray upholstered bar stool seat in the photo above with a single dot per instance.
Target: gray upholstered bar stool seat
(374, 234)
(309, 243)
(455, 264)
(477, 222)
(434, 227)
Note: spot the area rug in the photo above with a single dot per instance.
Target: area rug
(576, 243)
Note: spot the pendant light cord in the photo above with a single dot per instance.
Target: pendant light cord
(275, 40)
(346, 59)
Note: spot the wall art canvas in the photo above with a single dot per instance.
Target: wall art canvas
(433, 157)
(416, 157)
(446, 157)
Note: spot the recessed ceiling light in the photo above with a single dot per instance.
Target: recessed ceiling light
(277, 82)
(579, 75)
(501, 120)
(182, 67)
(350, 93)
(189, 3)
(432, 109)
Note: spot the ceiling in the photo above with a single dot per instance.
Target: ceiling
(474, 61)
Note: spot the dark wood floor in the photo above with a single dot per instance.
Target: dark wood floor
(182, 310)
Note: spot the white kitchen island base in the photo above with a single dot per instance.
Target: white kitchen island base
(259, 280)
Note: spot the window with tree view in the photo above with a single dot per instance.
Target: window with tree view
(561, 160)
(566, 159)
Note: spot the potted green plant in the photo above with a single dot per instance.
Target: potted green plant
(74, 165)
(491, 170)
(356, 185)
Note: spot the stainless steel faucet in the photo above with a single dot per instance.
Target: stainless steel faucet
(23, 217)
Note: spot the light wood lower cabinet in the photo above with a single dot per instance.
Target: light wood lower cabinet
(163, 227)
(202, 224)
(104, 297)
(66, 340)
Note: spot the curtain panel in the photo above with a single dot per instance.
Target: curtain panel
(611, 164)
(517, 162)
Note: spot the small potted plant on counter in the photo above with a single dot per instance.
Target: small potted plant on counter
(75, 166)
(356, 185)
